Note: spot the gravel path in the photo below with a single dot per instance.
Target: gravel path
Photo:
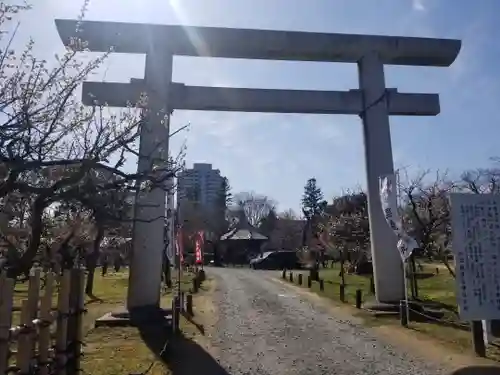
(265, 328)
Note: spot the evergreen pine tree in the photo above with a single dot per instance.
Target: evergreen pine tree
(313, 204)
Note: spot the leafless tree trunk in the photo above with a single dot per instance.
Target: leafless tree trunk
(255, 206)
(427, 215)
(92, 260)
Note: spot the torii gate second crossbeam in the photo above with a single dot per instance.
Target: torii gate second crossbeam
(373, 102)
(200, 98)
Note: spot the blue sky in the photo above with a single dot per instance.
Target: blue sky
(276, 154)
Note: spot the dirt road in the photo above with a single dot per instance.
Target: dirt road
(267, 328)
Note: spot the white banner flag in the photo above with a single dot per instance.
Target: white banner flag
(388, 198)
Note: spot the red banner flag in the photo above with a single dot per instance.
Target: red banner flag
(199, 248)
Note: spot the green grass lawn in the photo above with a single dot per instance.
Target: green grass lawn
(120, 350)
(437, 289)
(333, 281)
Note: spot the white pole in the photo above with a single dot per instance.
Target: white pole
(405, 276)
(171, 226)
(486, 331)
(407, 307)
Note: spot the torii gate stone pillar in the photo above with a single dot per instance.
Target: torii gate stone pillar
(378, 162)
(373, 102)
(149, 215)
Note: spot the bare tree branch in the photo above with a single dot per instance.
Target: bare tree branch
(255, 206)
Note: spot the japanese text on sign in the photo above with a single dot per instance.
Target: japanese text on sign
(476, 245)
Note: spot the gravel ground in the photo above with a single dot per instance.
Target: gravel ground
(265, 328)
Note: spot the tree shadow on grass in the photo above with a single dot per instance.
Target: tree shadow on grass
(427, 302)
(94, 299)
(182, 355)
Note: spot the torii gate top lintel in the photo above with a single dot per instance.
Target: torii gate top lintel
(258, 44)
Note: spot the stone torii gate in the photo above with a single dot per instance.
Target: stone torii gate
(373, 102)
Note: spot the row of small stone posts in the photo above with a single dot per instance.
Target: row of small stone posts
(185, 301)
(311, 281)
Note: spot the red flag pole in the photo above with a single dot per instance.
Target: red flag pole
(199, 242)
(202, 248)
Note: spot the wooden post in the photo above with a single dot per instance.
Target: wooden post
(313, 272)
(46, 317)
(342, 292)
(176, 325)
(23, 357)
(413, 276)
(321, 285)
(300, 279)
(189, 304)
(478, 339)
(174, 317)
(33, 298)
(291, 276)
(283, 274)
(309, 282)
(202, 274)
(195, 285)
(79, 311)
(402, 313)
(62, 322)
(181, 301)
(359, 298)
(72, 325)
(372, 285)
(6, 294)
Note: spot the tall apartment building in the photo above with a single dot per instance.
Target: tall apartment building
(201, 184)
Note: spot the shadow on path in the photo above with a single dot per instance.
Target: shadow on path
(182, 355)
(190, 319)
(478, 370)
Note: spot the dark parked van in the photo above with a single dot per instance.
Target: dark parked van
(276, 260)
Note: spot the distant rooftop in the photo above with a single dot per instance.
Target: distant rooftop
(202, 166)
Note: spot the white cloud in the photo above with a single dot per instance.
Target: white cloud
(331, 131)
(475, 37)
(419, 5)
